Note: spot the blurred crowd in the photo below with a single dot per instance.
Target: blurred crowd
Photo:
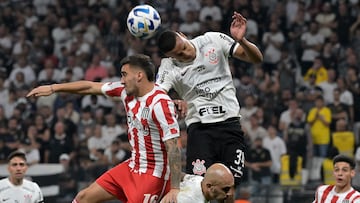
(303, 100)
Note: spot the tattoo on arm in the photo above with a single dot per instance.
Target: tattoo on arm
(174, 157)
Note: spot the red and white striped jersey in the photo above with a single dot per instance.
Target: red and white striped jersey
(327, 194)
(151, 121)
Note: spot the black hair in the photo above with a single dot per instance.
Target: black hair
(16, 154)
(344, 158)
(143, 62)
(167, 41)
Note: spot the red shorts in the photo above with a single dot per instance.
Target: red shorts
(131, 187)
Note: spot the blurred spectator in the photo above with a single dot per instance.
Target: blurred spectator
(23, 66)
(354, 86)
(273, 40)
(288, 70)
(339, 110)
(318, 71)
(312, 42)
(253, 129)
(343, 139)
(42, 136)
(326, 19)
(328, 86)
(111, 129)
(248, 109)
(5, 39)
(50, 74)
(29, 146)
(71, 65)
(112, 77)
(346, 97)
(209, 8)
(286, 117)
(246, 87)
(86, 120)
(113, 41)
(115, 153)
(67, 179)
(96, 141)
(344, 20)
(277, 148)
(319, 119)
(183, 6)
(259, 162)
(356, 179)
(296, 139)
(95, 71)
(331, 51)
(191, 26)
(297, 27)
(4, 149)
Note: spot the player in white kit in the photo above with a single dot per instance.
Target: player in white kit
(341, 192)
(216, 184)
(198, 70)
(16, 188)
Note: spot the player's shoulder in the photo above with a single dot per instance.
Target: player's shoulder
(324, 187)
(4, 182)
(30, 183)
(193, 178)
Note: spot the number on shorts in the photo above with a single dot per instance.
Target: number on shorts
(149, 198)
(240, 161)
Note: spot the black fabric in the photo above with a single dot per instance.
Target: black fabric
(216, 142)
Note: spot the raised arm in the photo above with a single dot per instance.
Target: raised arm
(247, 51)
(78, 87)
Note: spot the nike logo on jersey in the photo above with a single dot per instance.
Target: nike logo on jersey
(5, 199)
(184, 72)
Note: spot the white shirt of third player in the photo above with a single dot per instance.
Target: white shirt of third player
(28, 192)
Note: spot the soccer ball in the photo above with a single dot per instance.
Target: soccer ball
(143, 21)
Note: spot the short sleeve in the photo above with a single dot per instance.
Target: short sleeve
(165, 77)
(165, 114)
(225, 42)
(112, 89)
(39, 198)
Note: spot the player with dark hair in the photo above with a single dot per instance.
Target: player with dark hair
(153, 132)
(344, 171)
(198, 70)
(16, 188)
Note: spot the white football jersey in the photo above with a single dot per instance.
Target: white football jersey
(206, 83)
(190, 190)
(28, 192)
(326, 193)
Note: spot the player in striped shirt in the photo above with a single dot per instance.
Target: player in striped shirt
(152, 130)
(341, 192)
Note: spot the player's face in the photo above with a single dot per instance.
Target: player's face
(17, 168)
(183, 51)
(343, 174)
(221, 191)
(129, 80)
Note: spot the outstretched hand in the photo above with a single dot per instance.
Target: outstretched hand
(44, 90)
(238, 26)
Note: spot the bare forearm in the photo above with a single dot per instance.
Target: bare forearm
(253, 54)
(174, 157)
(78, 87)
